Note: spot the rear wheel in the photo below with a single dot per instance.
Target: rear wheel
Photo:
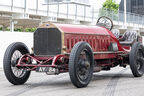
(14, 74)
(136, 59)
(81, 63)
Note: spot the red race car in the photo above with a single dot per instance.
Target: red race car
(77, 49)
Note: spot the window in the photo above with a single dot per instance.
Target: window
(31, 4)
(18, 3)
(5, 2)
(41, 5)
(82, 1)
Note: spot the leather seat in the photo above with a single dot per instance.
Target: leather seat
(116, 32)
(128, 37)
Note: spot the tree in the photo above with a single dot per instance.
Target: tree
(110, 9)
(110, 5)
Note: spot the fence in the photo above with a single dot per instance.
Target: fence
(119, 16)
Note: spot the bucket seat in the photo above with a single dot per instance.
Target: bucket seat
(128, 37)
(116, 33)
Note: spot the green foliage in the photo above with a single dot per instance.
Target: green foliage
(0, 28)
(109, 9)
(30, 29)
(110, 5)
(20, 29)
(7, 29)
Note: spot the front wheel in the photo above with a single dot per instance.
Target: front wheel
(14, 74)
(136, 59)
(81, 63)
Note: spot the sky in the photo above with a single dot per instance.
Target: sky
(98, 3)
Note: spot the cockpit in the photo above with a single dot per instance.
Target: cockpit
(129, 36)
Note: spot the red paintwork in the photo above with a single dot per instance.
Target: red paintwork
(38, 60)
(105, 56)
(82, 29)
(98, 37)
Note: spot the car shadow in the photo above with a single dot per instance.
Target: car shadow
(63, 82)
(108, 76)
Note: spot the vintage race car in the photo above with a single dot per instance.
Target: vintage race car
(77, 49)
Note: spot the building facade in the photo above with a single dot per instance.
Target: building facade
(77, 1)
(31, 13)
(133, 6)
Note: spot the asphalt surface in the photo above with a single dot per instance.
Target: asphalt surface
(117, 82)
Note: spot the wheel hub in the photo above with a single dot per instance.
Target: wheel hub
(17, 71)
(83, 69)
(140, 62)
(84, 63)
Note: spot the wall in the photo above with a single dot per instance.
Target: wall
(6, 38)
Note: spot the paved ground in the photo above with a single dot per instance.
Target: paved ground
(117, 82)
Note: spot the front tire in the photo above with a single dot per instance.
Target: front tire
(81, 63)
(12, 54)
(136, 59)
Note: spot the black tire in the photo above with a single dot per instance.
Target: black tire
(9, 63)
(136, 59)
(79, 63)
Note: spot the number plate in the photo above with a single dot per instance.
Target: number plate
(45, 69)
(48, 70)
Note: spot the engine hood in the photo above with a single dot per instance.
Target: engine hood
(76, 29)
(50, 38)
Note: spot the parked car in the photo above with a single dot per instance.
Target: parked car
(77, 49)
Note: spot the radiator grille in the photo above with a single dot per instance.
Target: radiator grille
(47, 41)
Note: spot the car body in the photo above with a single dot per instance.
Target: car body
(59, 47)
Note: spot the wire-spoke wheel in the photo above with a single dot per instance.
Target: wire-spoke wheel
(81, 64)
(136, 59)
(14, 74)
(18, 72)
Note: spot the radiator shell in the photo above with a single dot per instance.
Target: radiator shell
(47, 42)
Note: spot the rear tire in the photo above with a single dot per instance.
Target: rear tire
(11, 56)
(81, 63)
(136, 59)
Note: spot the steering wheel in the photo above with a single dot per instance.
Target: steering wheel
(105, 22)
